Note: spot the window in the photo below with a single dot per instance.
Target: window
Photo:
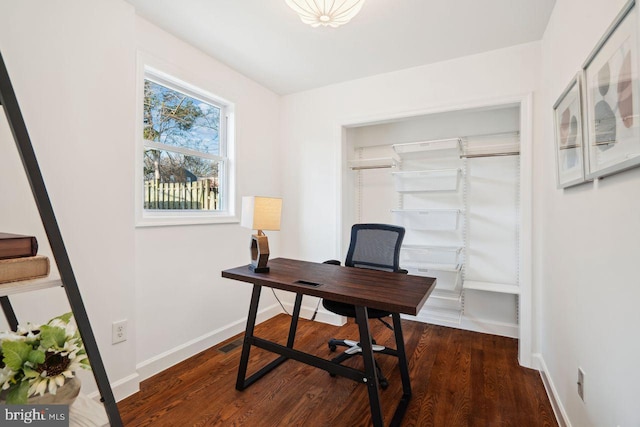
(186, 162)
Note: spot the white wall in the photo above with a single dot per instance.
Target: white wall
(183, 305)
(312, 135)
(589, 249)
(72, 71)
(73, 66)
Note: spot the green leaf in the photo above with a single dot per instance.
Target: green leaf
(36, 357)
(64, 317)
(18, 395)
(30, 373)
(15, 353)
(52, 337)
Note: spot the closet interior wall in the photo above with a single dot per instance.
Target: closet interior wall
(452, 180)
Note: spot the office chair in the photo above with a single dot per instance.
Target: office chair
(372, 246)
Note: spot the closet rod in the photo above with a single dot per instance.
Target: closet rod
(497, 153)
(359, 168)
(507, 153)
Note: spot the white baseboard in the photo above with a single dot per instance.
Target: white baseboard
(435, 316)
(503, 329)
(454, 319)
(556, 404)
(122, 388)
(159, 363)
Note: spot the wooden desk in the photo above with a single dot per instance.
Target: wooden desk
(397, 293)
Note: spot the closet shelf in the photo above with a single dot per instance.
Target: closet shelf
(427, 219)
(426, 180)
(438, 147)
(511, 149)
(424, 257)
(429, 269)
(503, 288)
(28, 286)
(443, 300)
(447, 282)
(373, 163)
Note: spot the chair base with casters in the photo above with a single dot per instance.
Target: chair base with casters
(354, 349)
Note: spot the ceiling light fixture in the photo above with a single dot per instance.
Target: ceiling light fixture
(332, 13)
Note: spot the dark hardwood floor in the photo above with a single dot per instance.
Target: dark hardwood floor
(459, 378)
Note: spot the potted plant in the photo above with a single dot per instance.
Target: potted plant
(37, 360)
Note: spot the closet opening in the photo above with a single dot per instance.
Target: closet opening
(458, 182)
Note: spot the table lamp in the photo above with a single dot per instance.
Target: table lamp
(260, 213)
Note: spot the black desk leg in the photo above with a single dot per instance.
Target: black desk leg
(371, 376)
(248, 336)
(294, 320)
(404, 372)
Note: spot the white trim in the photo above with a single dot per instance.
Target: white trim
(554, 398)
(165, 360)
(175, 75)
(121, 388)
(180, 85)
(453, 319)
(181, 150)
(525, 302)
(504, 329)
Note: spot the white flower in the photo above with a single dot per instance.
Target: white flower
(69, 328)
(6, 377)
(11, 336)
(28, 331)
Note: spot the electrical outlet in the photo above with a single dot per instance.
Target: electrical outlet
(119, 331)
(581, 383)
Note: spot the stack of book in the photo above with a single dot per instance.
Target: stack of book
(19, 259)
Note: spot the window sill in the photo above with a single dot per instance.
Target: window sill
(161, 219)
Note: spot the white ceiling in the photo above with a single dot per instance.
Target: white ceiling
(266, 41)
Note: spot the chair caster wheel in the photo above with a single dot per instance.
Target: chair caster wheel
(333, 347)
(332, 375)
(384, 384)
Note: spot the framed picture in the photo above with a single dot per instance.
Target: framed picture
(612, 98)
(567, 115)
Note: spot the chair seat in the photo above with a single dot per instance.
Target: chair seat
(349, 310)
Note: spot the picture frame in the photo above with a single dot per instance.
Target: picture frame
(612, 98)
(567, 115)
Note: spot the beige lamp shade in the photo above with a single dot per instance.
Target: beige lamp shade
(261, 213)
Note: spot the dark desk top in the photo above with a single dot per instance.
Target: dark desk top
(394, 292)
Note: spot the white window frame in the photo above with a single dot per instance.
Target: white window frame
(174, 78)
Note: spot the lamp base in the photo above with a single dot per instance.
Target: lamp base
(259, 253)
(258, 269)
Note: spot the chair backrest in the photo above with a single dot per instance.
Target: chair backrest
(375, 246)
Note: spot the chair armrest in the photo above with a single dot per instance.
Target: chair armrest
(332, 262)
